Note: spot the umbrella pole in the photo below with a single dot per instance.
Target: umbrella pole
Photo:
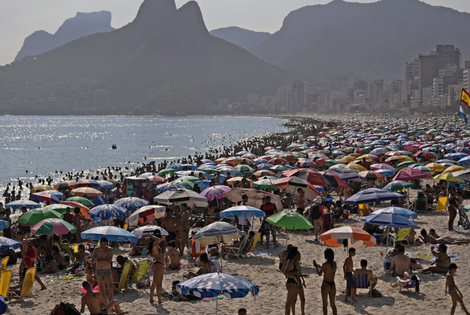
(216, 304)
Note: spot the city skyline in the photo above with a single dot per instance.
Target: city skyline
(22, 18)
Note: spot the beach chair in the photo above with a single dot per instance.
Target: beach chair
(364, 209)
(253, 243)
(27, 285)
(141, 271)
(121, 285)
(3, 263)
(5, 280)
(441, 204)
(238, 252)
(362, 282)
(402, 235)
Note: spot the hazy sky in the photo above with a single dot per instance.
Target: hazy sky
(20, 18)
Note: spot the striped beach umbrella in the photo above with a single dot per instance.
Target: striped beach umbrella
(356, 237)
(56, 226)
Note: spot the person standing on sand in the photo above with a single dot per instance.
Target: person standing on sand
(29, 255)
(185, 227)
(294, 284)
(156, 252)
(452, 289)
(77, 222)
(102, 256)
(96, 303)
(328, 287)
(348, 269)
(170, 224)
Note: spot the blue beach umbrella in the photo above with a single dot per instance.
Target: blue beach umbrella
(169, 186)
(104, 184)
(211, 285)
(29, 204)
(398, 211)
(55, 193)
(112, 233)
(106, 212)
(6, 243)
(372, 195)
(246, 211)
(389, 219)
(131, 203)
(212, 233)
(4, 225)
(385, 172)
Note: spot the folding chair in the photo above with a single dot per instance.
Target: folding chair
(5, 279)
(141, 271)
(27, 285)
(364, 209)
(362, 282)
(402, 235)
(238, 252)
(3, 263)
(253, 243)
(121, 285)
(442, 204)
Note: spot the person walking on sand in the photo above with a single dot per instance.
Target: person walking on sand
(452, 289)
(102, 256)
(348, 269)
(328, 287)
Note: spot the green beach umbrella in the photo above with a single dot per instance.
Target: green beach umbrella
(264, 182)
(279, 168)
(189, 178)
(37, 215)
(81, 200)
(186, 183)
(398, 185)
(290, 220)
(166, 171)
(402, 165)
(331, 162)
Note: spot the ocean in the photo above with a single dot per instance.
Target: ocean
(44, 145)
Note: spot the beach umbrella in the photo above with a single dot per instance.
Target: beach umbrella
(104, 184)
(53, 226)
(371, 175)
(243, 169)
(45, 197)
(356, 237)
(290, 220)
(382, 166)
(423, 155)
(333, 180)
(436, 167)
(148, 212)
(456, 156)
(402, 165)
(448, 177)
(89, 183)
(86, 191)
(423, 169)
(7, 243)
(214, 232)
(208, 168)
(344, 173)
(463, 175)
(131, 203)
(37, 215)
(246, 211)
(156, 179)
(264, 173)
(106, 212)
(181, 196)
(29, 204)
(41, 188)
(68, 184)
(215, 192)
(386, 173)
(166, 172)
(83, 209)
(292, 184)
(372, 195)
(81, 200)
(53, 192)
(234, 180)
(4, 225)
(112, 233)
(169, 186)
(398, 211)
(397, 185)
(265, 183)
(187, 184)
(211, 285)
(309, 175)
(140, 232)
(407, 174)
(454, 168)
(389, 219)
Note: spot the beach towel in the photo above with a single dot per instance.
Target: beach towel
(463, 219)
(71, 277)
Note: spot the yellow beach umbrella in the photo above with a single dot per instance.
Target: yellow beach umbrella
(41, 188)
(448, 178)
(407, 158)
(436, 167)
(365, 157)
(356, 167)
(454, 168)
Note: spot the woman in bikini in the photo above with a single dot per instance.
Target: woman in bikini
(328, 287)
(428, 239)
(205, 267)
(294, 281)
(441, 265)
(158, 260)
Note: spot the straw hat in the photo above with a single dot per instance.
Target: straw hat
(317, 200)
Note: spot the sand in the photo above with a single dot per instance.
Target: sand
(262, 270)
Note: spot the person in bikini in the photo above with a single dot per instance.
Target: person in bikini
(328, 287)
(156, 252)
(442, 261)
(185, 228)
(294, 283)
(452, 289)
(429, 239)
(205, 266)
(102, 256)
(96, 303)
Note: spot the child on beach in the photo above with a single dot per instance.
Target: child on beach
(348, 269)
(452, 289)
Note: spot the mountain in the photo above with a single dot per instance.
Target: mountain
(83, 24)
(165, 61)
(241, 37)
(373, 40)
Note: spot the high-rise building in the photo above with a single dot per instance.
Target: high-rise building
(375, 88)
(466, 64)
(466, 80)
(411, 80)
(430, 64)
(298, 95)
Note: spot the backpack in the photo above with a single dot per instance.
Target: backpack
(65, 309)
(315, 213)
